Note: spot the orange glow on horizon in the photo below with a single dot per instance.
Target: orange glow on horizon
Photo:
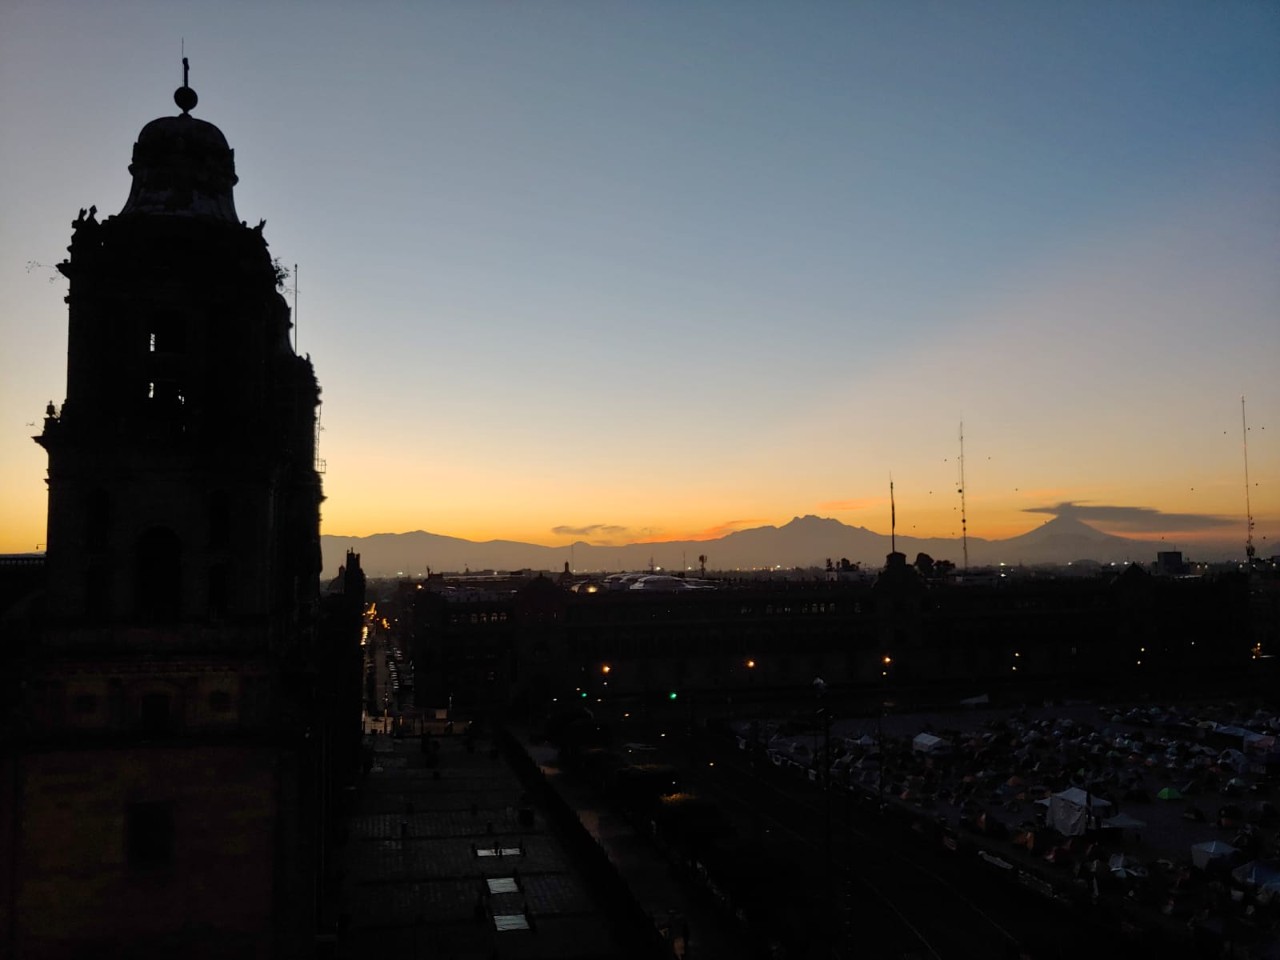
(713, 532)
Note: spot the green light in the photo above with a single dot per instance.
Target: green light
(583, 694)
(671, 695)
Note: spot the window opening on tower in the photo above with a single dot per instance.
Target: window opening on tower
(166, 334)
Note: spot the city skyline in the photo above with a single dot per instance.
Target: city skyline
(658, 273)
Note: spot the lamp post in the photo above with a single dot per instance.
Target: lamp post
(885, 662)
(824, 779)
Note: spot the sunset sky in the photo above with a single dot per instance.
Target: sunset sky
(651, 270)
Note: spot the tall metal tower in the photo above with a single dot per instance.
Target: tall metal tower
(964, 522)
(893, 519)
(1249, 549)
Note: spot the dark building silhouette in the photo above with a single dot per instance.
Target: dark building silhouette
(176, 746)
(529, 640)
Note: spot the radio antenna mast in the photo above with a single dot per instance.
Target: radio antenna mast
(964, 522)
(1249, 549)
(893, 519)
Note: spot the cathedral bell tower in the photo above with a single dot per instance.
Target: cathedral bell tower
(183, 495)
(169, 788)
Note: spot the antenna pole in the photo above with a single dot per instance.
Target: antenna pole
(964, 521)
(1249, 549)
(893, 519)
(295, 308)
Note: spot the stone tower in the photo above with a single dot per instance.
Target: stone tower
(169, 786)
(182, 481)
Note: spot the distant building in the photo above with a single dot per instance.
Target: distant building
(178, 743)
(540, 642)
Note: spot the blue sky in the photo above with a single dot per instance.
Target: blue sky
(668, 267)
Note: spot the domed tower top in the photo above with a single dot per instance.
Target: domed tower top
(183, 166)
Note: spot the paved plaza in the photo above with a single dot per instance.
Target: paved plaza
(446, 858)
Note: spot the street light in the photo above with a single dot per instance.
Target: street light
(824, 780)
(886, 661)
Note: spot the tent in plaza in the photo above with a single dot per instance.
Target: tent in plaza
(1234, 759)
(1211, 853)
(1263, 874)
(1126, 868)
(1081, 796)
(1122, 821)
(930, 743)
(1071, 809)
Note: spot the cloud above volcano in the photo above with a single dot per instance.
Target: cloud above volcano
(1134, 519)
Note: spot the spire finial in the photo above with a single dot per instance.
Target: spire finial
(184, 96)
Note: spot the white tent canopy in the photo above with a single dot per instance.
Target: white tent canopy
(1263, 874)
(929, 743)
(1202, 854)
(1070, 810)
(1122, 821)
(1084, 798)
(1077, 796)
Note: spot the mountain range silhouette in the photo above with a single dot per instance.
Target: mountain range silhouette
(803, 542)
